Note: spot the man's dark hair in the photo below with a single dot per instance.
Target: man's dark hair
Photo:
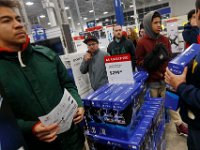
(155, 15)
(9, 3)
(190, 14)
(197, 4)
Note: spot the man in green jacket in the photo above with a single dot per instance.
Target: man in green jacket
(32, 80)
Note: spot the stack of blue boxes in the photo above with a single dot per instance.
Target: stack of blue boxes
(116, 119)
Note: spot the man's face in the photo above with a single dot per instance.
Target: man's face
(193, 20)
(92, 46)
(156, 25)
(117, 31)
(12, 30)
(198, 17)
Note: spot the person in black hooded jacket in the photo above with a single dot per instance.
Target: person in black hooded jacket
(191, 30)
(121, 45)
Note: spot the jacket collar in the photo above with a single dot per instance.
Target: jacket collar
(122, 39)
(11, 55)
(24, 46)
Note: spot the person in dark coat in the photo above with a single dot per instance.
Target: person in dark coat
(191, 30)
(33, 80)
(187, 86)
(121, 45)
(152, 26)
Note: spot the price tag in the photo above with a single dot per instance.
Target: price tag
(119, 69)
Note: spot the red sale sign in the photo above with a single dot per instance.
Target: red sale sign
(119, 69)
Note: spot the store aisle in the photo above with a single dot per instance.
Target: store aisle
(174, 141)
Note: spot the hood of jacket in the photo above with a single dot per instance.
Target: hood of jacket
(148, 26)
(10, 53)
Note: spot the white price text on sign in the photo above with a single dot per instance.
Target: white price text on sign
(119, 69)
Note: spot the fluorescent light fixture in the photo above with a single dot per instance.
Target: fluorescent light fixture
(105, 12)
(29, 3)
(131, 6)
(66, 8)
(42, 16)
(97, 19)
(91, 11)
(78, 24)
(49, 23)
(69, 17)
(159, 0)
(85, 18)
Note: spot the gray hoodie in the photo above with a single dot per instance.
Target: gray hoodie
(148, 26)
(96, 68)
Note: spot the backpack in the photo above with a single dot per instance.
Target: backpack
(156, 58)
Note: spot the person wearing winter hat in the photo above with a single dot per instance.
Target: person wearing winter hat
(93, 63)
(152, 37)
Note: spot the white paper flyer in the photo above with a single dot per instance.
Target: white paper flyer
(62, 114)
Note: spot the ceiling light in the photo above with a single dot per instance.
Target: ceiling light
(29, 3)
(78, 24)
(66, 8)
(69, 17)
(42, 16)
(131, 6)
(132, 16)
(49, 23)
(91, 11)
(85, 18)
(159, 0)
(105, 12)
(97, 19)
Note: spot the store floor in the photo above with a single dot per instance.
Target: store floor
(174, 141)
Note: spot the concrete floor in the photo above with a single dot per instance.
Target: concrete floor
(173, 140)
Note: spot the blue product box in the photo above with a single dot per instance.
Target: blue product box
(171, 100)
(93, 128)
(152, 102)
(135, 143)
(126, 97)
(96, 100)
(124, 131)
(103, 129)
(107, 102)
(89, 97)
(140, 76)
(178, 64)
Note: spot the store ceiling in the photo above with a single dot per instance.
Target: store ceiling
(100, 6)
